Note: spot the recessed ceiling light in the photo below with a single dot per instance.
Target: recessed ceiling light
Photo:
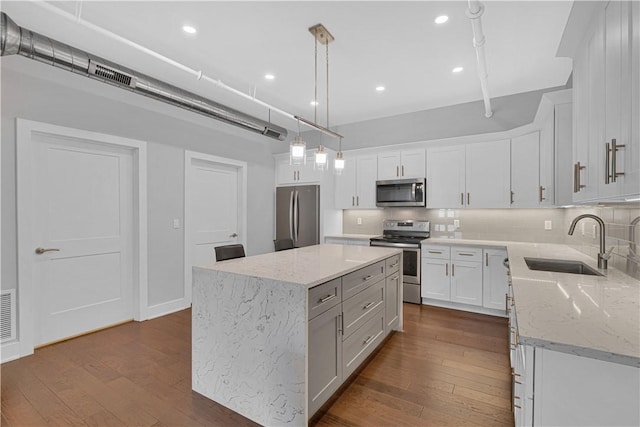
(441, 19)
(189, 29)
(269, 76)
(314, 103)
(380, 88)
(457, 70)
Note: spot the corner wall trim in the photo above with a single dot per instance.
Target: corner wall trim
(162, 309)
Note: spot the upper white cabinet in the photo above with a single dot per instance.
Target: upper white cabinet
(401, 164)
(606, 75)
(526, 189)
(297, 174)
(445, 177)
(356, 187)
(475, 175)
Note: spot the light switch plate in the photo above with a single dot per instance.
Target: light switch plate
(359, 221)
(548, 225)
(456, 223)
(176, 223)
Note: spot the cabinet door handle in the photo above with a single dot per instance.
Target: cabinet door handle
(353, 200)
(453, 270)
(511, 199)
(465, 254)
(486, 259)
(446, 269)
(340, 323)
(461, 199)
(397, 170)
(468, 199)
(40, 251)
(364, 279)
(435, 252)
(607, 163)
(327, 298)
(540, 191)
(614, 160)
(357, 200)
(368, 340)
(577, 186)
(366, 307)
(402, 170)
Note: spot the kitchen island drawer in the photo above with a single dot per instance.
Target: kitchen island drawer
(392, 264)
(435, 251)
(324, 296)
(358, 310)
(360, 345)
(355, 282)
(465, 253)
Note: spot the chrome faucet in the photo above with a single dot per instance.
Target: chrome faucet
(603, 256)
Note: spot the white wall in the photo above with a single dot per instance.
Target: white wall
(42, 93)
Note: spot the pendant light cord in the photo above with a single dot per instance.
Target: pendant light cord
(327, 46)
(315, 84)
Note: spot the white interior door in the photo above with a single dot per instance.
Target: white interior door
(82, 193)
(214, 208)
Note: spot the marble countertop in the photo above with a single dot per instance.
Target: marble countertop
(592, 316)
(352, 236)
(308, 266)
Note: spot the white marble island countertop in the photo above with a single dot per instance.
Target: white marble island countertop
(308, 266)
(591, 316)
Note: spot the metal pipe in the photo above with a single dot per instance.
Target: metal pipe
(21, 41)
(474, 13)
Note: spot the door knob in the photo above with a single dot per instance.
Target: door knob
(40, 251)
(234, 235)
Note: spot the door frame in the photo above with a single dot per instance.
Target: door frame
(24, 152)
(241, 168)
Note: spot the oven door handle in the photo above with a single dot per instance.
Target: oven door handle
(395, 245)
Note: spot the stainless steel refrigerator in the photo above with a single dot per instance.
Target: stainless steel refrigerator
(298, 214)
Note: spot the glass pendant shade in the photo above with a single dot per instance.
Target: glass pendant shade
(321, 159)
(298, 151)
(338, 163)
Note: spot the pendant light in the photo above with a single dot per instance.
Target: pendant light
(338, 163)
(322, 35)
(298, 150)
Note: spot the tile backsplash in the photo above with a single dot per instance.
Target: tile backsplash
(522, 225)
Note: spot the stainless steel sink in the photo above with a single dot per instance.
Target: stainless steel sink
(561, 266)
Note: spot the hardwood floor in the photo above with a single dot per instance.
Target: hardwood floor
(448, 369)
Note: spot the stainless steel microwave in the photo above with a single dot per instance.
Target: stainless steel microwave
(401, 192)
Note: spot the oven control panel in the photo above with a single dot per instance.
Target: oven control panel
(406, 225)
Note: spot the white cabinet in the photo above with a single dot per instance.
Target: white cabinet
(488, 174)
(356, 187)
(474, 175)
(606, 76)
(494, 279)
(452, 274)
(297, 174)
(446, 177)
(401, 164)
(526, 190)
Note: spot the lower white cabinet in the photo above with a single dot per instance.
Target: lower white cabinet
(494, 280)
(466, 282)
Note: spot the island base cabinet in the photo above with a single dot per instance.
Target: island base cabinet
(359, 345)
(580, 391)
(325, 357)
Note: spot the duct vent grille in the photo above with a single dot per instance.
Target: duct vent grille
(111, 74)
(8, 315)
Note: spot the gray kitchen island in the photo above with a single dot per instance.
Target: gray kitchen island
(275, 335)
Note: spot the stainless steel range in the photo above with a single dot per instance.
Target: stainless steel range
(406, 235)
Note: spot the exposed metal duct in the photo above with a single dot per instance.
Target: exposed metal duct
(474, 12)
(17, 40)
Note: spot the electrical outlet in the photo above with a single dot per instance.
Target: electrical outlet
(176, 223)
(548, 225)
(456, 223)
(359, 221)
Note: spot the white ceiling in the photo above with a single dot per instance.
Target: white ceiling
(390, 43)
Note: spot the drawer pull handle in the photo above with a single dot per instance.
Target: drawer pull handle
(327, 298)
(364, 279)
(368, 340)
(435, 252)
(517, 406)
(465, 254)
(394, 265)
(368, 305)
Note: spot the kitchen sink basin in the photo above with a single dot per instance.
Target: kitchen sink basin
(561, 266)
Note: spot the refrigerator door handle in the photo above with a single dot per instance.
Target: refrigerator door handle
(296, 214)
(291, 215)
